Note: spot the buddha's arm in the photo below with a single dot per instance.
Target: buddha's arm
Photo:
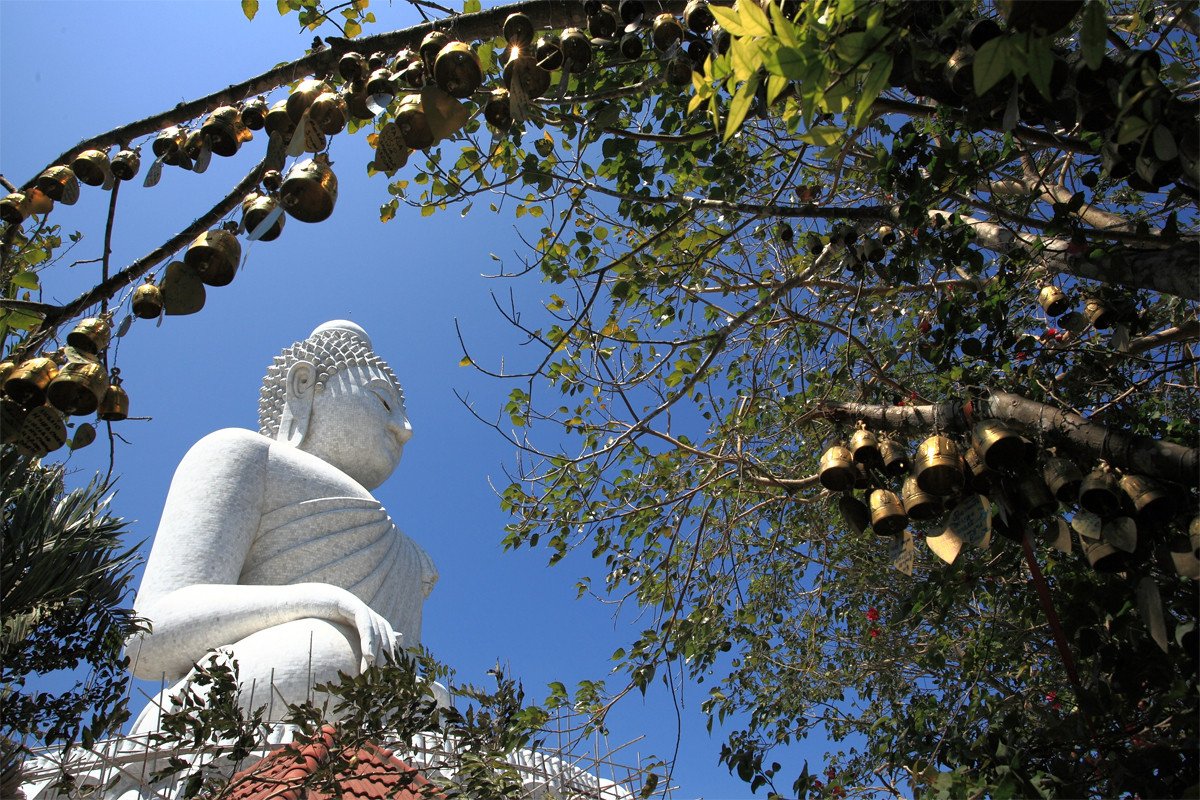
(190, 590)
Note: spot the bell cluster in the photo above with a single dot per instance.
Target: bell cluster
(999, 463)
(38, 394)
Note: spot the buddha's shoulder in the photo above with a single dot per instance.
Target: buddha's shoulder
(229, 445)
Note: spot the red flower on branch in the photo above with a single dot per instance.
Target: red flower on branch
(874, 632)
(873, 614)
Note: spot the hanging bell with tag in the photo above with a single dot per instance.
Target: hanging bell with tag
(430, 47)
(168, 146)
(631, 46)
(115, 405)
(78, 387)
(147, 302)
(894, 458)
(854, 513)
(91, 167)
(91, 335)
(1103, 556)
(1054, 301)
(253, 114)
(522, 70)
(303, 96)
(412, 75)
(604, 23)
(864, 447)
(919, 504)
(1100, 493)
(272, 180)
(329, 113)
(939, 466)
(14, 208)
(225, 131)
(999, 445)
(7, 368)
(1064, 479)
(698, 17)
(279, 121)
(125, 165)
(256, 208)
(27, 383)
(1098, 313)
(678, 70)
(309, 192)
(887, 513)
(59, 184)
(665, 32)
(548, 52)
(837, 471)
(496, 112)
(414, 127)
(353, 67)
(1152, 504)
(356, 101)
(576, 50)
(457, 70)
(979, 478)
(43, 431)
(518, 30)
(1033, 495)
(214, 256)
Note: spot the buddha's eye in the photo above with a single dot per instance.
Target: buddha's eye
(383, 400)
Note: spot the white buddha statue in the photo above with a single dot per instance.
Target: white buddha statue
(271, 549)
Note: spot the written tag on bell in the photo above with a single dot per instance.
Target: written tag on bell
(154, 173)
(945, 545)
(1121, 533)
(296, 145)
(1062, 542)
(267, 223)
(971, 521)
(1150, 610)
(901, 552)
(1086, 524)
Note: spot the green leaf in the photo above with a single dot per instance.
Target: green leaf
(746, 57)
(822, 135)
(465, 361)
(1040, 60)
(472, 7)
(784, 28)
(992, 63)
(1094, 34)
(1131, 128)
(775, 85)
(740, 106)
(352, 29)
(786, 62)
(728, 19)
(250, 8)
(754, 19)
(283, 7)
(873, 85)
(25, 280)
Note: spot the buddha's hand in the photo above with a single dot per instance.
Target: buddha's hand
(375, 634)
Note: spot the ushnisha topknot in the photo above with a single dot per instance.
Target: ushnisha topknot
(331, 348)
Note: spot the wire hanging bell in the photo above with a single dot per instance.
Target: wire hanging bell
(78, 387)
(576, 50)
(91, 335)
(894, 458)
(59, 184)
(1054, 301)
(115, 405)
(1152, 504)
(27, 383)
(303, 96)
(978, 476)
(125, 165)
(414, 127)
(309, 192)
(458, 70)
(887, 513)
(605, 23)
(225, 131)
(214, 256)
(1064, 479)
(919, 504)
(254, 114)
(255, 209)
(518, 30)
(147, 302)
(497, 112)
(1100, 493)
(999, 445)
(864, 447)
(697, 16)
(837, 471)
(939, 466)
(91, 167)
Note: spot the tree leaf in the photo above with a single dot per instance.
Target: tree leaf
(740, 106)
(1040, 60)
(1093, 35)
(728, 19)
(822, 135)
(875, 81)
(992, 63)
(754, 19)
(250, 8)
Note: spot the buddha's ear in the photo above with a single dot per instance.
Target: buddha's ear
(299, 388)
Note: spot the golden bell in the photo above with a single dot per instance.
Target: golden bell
(1064, 479)
(272, 180)
(42, 432)
(91, 167)
(309, 192)
(919, 504)
(114, 407)
(999, 445)
(1098, 313)
(939, 467)
(865, 447)
(279, 121)
(302, 97)
(604, 23)
(665, 32)
(329, 113)
(698, 17)
(1033, 495)
(225, 131)
(6, 368)
(90, 335)
(854, 512)
(59, 184)
(27, 383)
(78, 388)
(837, 471)
(631, 46)
(1103, 556)
(412, 75)
(14, 208)
(1153, 505)
(193, 146)
(977, 474)
(147, 300)
(522, 68)
(256, 208)
(518, 30)
(430, 47)
(457, 70)
(12, 419)
(678, 70)
(182, 290)
(1054, 301)
(576, 50)
(356, 101)
(887, 513)
(125, 165)
(254, 114)
(353, 67)
(214, 255)
(548, 52)
(497, 111)
(1100, 494)
(414, 128)
(894, 458)
(382, 85)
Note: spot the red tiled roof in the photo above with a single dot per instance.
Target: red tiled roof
(372, 773)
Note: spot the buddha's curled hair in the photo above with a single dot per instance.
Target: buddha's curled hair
(330, 351)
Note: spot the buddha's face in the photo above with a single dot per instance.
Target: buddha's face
(359, 425)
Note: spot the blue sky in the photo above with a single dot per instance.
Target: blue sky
(70, 70)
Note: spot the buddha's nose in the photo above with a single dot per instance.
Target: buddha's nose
(400, 427)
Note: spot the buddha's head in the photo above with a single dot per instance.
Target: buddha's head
(332, 396)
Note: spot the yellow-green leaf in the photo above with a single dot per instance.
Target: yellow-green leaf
(822, 135)
(740, 106)
(784, 27)
(25, 280)
(775, 85)
(881, 68)
(465, 361)
(728, 19)
(782, 60)
(754, 19)
(992, 63)
(472, 6)
(352, 29)
(745, 57)
(250, 8)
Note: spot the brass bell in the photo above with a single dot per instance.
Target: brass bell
(862, 479)
(887, 513)
(548, 52)
(919, 504)
(302, 97)
(309, 192)
(182, 290)
(522, 70)
(665, 32)
(193, 148)
(27, 383)
(353, 67)
(1064, 479)
(1100, 494)
(605, 23)
(225, 131)
(698, 17)
(678, 70)
(78, 387)
(147, 300)
(854, 512)
(977, 475)
(6, 368)
(518, 30)
(115, 405)
(1054, 301)
(168, 145)
(125, 165)
(894, 458)
(329, 113)
(1099, 313)
(721, 40)
(631, 10)
(1103, 556)
(457, 70)
(1153, 505)
(576, 50)
(999, 445)
(43, 431)
(37, 202)
(91, 167)
(959, 72)
(279, 121)
(939, 467)
(59, 184)
(431, 45)
(837, 471)
(214, 256)
(414, 127)
(14, 208)
(12, 420)
(272, 180)
(497, 111)
(865, 447)
(382, 86)
(412, 75)
(1033, 495)
(356, 101)
(256, 208)
(254, 114)
(90, 335)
